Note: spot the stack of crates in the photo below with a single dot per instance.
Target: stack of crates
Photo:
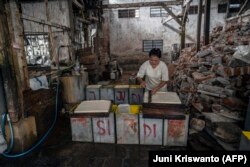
(120, 114)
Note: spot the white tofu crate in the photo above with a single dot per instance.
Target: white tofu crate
(103, 129)
(176, 132)
(93, 92)
(127, 128)
(92, 121)
(81, 129)
(151, 131)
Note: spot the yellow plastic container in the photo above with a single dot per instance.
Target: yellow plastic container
(114, 108)
(135, 109)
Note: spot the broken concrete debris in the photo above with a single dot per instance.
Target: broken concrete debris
(217, 80)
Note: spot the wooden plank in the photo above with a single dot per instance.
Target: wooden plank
(40, 21)
(7, 67)
(80, 6)
(171, 13)
(16, 32)
(54, 57)
(169, 112)
(178, 31)
(142, 4)
(25, 134)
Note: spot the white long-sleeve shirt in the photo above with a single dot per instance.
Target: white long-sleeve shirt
(153, 76)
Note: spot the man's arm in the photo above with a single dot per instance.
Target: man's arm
(142, 82)
(158, 87)
(141, 74)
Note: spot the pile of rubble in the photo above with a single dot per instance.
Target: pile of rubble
(216, 80)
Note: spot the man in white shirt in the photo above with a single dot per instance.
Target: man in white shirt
(155, 73)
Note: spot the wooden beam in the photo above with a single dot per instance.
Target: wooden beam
(207, 21)
(198, 34)
(143, 4)
(80, 6)
(45, 22)
(183, 24)
(51, 36)
(16, 34)
(172, 14)
(243, 7)
(228, 8)
(178, 31)
(7, 66)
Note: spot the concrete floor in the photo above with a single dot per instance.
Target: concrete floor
(59, 150)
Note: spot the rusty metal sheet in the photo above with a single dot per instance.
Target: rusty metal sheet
(81, 129)
(127, 128)
(176, 132)
(151, 131)
(103, 129)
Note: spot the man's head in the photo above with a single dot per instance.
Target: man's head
(154, 57)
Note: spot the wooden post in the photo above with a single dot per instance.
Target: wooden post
(198, 35)
(207, 21)
(51, 37)
(17, 39)
(8, 68)
(18, 63)
(228, 8)
(183, 26)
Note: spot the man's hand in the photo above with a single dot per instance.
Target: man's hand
(153, 91)
(143, 84)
